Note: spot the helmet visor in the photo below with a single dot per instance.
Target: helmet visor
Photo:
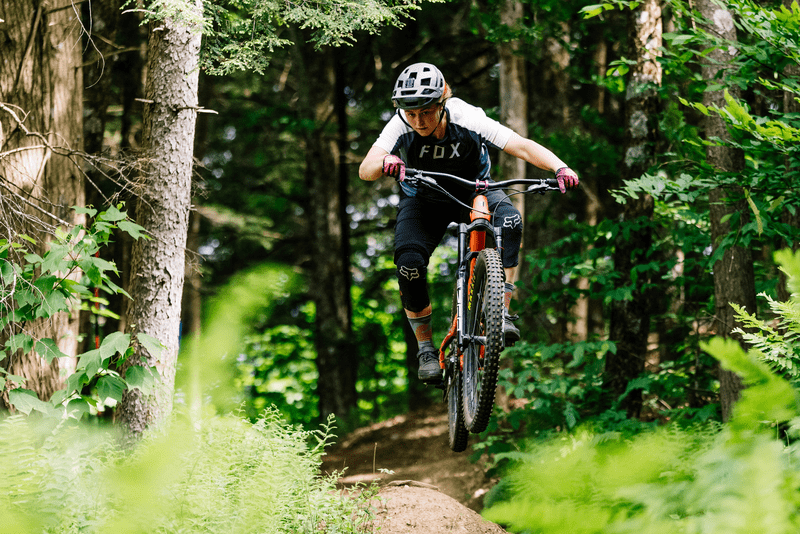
(415, 102)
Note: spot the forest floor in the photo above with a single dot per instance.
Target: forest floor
(428, 488)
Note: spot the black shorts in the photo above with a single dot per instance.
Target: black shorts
(422, 223)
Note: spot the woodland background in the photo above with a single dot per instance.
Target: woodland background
(183, 232)
(681, 119)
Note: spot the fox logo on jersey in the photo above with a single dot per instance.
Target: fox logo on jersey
(439, 151)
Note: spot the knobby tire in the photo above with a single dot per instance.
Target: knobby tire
(484, 318)
(458, 433)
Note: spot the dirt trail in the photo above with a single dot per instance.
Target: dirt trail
(431, 489)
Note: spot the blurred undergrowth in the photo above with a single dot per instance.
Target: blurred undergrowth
(208, 469)
(224, 475)
(740, 477)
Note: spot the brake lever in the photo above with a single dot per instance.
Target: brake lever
(540, 188)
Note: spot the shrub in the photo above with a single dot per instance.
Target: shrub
(219, 475)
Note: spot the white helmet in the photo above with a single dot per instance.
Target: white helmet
(418, 86)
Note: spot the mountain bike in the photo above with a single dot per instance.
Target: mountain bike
(470, 351)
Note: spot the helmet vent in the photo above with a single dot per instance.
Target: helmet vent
(418, 86)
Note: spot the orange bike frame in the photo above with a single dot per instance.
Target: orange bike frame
(477, 242)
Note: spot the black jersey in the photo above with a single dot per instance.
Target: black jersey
(464, 150)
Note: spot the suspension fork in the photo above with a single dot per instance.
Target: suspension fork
(471, 240)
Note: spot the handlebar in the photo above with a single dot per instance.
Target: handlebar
(535, 185)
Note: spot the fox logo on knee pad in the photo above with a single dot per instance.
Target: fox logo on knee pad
(409, 274)
(512, 222)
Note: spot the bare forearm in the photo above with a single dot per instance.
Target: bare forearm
(372, 167)
(534, 153)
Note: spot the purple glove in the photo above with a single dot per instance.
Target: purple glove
(395, 167)
(567, 179)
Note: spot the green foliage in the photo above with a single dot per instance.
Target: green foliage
(693, 480)
(217, 475)
(208, 362)
(34, 287)
(243, 34)
(554, 380)
(277, 367)
(777, 341)
(597, 9)
(550, 387)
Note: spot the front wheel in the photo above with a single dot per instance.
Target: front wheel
(458, 433)
(484, 323)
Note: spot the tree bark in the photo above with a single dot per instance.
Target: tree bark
(514, 114)
(630, 319)
(513, 99)
(157, 271)
(41, 88)
(734, 279)
(329, 275)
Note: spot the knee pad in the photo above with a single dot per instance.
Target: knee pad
(510, 222)
(412, 277)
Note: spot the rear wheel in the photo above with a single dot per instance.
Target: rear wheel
(484, 321)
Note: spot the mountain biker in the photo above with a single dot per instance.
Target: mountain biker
(435, 132)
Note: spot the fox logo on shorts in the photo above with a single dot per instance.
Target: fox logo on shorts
(409, 274)
(512, 222)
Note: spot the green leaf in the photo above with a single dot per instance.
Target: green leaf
(52, 303)
(133, 229)
(80, 210)
(93, 273)
(114, 343)
(153, 346)
(110, 387)
(757, 214)
(76, 380)
(6, 272)
(112, 214)
(26, 401)
(767, 397)
(591, 11)
(57, 258)
(90, 361)
(48, 349)
(141, 378)
(79, 407)
(580, 351)
(17, 342)
(677, 39)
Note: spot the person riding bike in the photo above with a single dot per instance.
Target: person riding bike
(433, 131)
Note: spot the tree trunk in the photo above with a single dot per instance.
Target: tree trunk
(630, 319)
(329, 275)
(157, 270)
(41, 88)
(513, 98)
(734, 280)
(514, 114)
